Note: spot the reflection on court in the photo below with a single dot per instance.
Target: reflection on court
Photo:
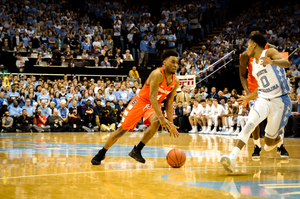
(58, 166)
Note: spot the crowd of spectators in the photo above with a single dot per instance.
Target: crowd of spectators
(110, 32)
(118, 30)
(40, 104)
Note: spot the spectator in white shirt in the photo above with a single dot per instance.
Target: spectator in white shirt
(20, 63)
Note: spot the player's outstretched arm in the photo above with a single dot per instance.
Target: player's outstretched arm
(243, 71)
(273, 57)
(169, 109)
(245, 99)
(155, 78)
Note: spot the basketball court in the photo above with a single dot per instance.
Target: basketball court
(57, 166)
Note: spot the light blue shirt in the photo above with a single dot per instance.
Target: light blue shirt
(14, 111)
(123, 95)
(12, 95)
(29, 109)
(144, 46)
(45, 111)
(64, 113)
(42, 98)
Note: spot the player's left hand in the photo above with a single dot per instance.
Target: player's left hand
(242, 100)
(173, 130)
(266, 60)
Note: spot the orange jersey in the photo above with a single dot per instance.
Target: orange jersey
(140, 105)
(163, 89)
(252, 83)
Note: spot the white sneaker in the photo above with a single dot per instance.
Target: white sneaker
(225, 132)
(228, 163)
(236, 132)
(214, 131)
(230, 131)
(192, 131)
(203, 130)
(207, 130)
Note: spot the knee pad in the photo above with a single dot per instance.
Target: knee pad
(246, 131)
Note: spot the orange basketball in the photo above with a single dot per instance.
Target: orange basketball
(176, 158)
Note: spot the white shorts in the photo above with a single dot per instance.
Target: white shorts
(277, 110)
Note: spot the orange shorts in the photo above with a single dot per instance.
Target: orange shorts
(136, 110)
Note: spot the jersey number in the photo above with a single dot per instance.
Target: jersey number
(264, 81)
(158, 97)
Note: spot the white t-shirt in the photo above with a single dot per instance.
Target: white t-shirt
(196, 110)
(208, 109)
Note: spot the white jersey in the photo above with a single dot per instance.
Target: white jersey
(196, 110)
(216, 111)
(203, 110)
(241, 107)
(208, 109)
(228, 109)
(271, 79)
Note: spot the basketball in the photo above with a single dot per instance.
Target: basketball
(176, 158)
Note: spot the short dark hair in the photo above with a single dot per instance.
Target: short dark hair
(193, 98)
(182, 86)
(257, 28)
(259, 39)
(169, 53)
(203, 100)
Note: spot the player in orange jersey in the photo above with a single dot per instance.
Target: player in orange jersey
(161, 83)
(250, 84)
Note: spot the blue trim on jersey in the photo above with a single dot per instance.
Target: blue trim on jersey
(286, 113)
(280, 74)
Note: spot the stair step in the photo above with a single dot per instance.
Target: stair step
(212, 35)
(196, 47)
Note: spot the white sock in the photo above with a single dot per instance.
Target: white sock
(280, 143)
(234, 152)
(257, 142)
(194, 128)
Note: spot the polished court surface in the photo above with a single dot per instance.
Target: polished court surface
(57, 166)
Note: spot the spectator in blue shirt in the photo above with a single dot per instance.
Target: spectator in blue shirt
(144, 47)
(86, 45)
(14, 109)
(296, 59)
(123, 95)
(13, 94)
(45, 110)
(133, 94)
(110, 97)
(63, 111)
(171, 39)
(105, 63)
(28, 107)
(2, 99)
(43, 97)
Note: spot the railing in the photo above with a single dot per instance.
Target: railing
(123, 77)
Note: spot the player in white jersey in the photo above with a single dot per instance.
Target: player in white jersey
(193, 118)
(272, 98)
(208, 110)
(217, 110)
(202, 118)
(228, 119)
